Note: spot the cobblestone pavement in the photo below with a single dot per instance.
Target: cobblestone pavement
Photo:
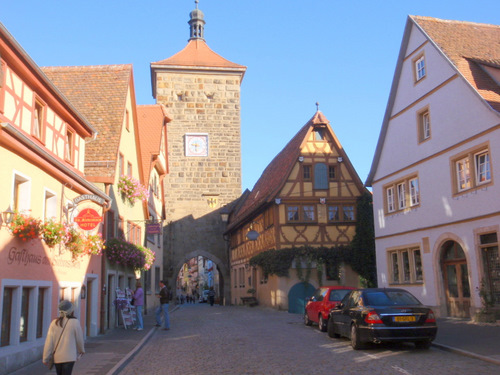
(242, 340)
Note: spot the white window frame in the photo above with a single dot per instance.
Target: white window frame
(420, 68)
(414, 192)
(50, 205)
(390, 199)
(483, 168)
(463, 174)
(15, 322)
(21, 193)
(401, 189)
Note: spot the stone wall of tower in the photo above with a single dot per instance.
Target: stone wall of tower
(197, 187)
(201, 103)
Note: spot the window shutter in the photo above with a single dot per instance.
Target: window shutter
(320, 176)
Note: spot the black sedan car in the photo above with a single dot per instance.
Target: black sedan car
(382, 315)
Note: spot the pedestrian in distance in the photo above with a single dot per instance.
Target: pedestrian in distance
(164, 296)
(139, 304)
(211, 296)
(64, 340)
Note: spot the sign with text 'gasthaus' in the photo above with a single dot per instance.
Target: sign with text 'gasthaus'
(88, 219)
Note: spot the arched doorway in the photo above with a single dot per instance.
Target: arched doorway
(297, 297)
(456, 279)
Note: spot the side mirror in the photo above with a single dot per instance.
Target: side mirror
(339, 305)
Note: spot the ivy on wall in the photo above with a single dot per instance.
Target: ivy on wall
(360, 254)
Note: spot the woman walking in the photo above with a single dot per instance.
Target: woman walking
(139, 304)
(64, 340)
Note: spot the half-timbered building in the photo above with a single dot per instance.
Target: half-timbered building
(305, 197)
(42, 152)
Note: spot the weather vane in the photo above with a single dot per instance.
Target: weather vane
(196, 2)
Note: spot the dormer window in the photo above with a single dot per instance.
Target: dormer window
(319, 134)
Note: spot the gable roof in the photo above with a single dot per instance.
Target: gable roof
(150, 121)
(100, 93)
(275, 175)
(473, 51)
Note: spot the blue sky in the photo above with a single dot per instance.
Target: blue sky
(341, 54)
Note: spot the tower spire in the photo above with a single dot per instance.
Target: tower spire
(196, 23)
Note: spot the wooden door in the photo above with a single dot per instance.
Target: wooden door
(456, 280)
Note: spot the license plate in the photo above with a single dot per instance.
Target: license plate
(404, 319)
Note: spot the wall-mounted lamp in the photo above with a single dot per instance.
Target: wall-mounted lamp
(247, 266)
(224, 214)
(339, 159)
(8, 216)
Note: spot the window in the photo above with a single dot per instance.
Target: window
(420, 69)
(405, 266)
(320, 176)
(472, 170)
(414, 192)
(6, 316)
(424, 126)
(405, 192)
(38, 120)
(401, 195)
(341, 213)
(488, 244)
(129, 169)
(50, 205)
(301, 213)
(134, 233)
(319, 134)
(21, 194)
(121, 164)
(331, 172)
(390, 199)
(25, 310)
(127, 120)
(306, 172)
(69, 146)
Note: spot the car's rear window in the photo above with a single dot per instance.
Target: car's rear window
(386, 298)
(338, 295)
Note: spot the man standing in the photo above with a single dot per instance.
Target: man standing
(164, 297)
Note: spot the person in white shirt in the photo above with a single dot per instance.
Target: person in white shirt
(65, 339)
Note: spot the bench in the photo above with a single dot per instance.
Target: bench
(249, 301)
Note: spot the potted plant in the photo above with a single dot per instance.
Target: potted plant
(486, 314)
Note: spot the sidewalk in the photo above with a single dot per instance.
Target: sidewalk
(477, 340)
(105, 354)
(108, 354)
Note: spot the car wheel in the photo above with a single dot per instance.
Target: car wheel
(424, 344)
(307, 321)
(355, 341)
(322, 323)
(330, 328)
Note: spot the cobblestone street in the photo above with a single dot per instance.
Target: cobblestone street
(243, 340)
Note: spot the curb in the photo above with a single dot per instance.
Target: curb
(466, 353)
(130, 355)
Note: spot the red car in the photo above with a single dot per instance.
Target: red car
(323, 300)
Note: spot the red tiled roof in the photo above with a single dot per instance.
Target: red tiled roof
(274, 176)
(197, 53)
(150, 119)
(99, 93)
(469, 46)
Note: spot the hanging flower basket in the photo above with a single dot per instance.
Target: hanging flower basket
(93, 244)
(25, 227)
(52, 233)
(132, 190)
(129, 255)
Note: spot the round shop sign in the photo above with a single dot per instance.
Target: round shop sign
(88, 219)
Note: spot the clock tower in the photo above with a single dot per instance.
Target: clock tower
(201, 91)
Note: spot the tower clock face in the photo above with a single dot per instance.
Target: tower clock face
(196, 144)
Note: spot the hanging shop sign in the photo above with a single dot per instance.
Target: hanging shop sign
(88, 219)
(153, 228)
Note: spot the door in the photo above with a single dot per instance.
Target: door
(297, 297)
(456, 280)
